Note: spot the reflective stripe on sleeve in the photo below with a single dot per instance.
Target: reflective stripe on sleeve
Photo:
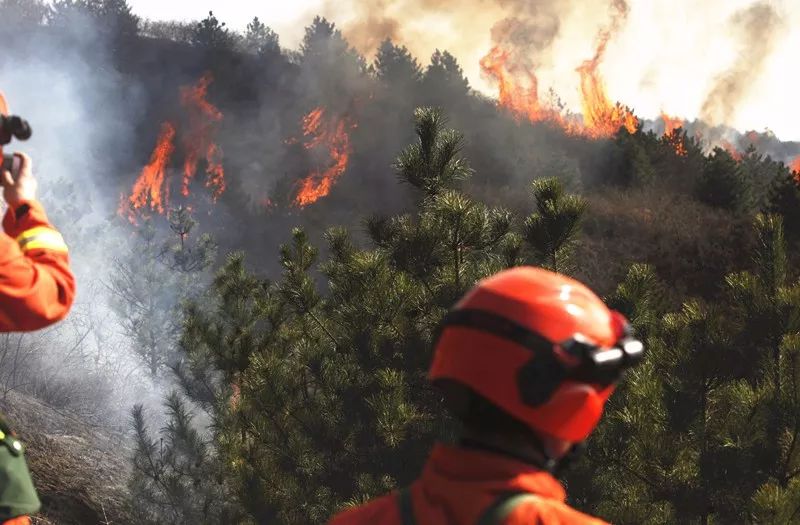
(42, 238)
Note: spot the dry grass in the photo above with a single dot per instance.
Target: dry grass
(79, 470)
(687, 242)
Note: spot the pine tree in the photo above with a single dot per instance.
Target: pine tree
(322, 39)
(114, 17)
(434, 161)
(142, 301)
(636, 164)
(261, 40)
(176, 479)
(318, 400)
(784, 199)
(211, 34)
(445, 75)
(551, 231)
(68, 13)
(151, 280)
(705, 431)
(723, 184)
(396, 68)
(331, 71)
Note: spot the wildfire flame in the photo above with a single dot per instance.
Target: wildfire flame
(672, 136)
(795, 166)
(518, 91)
(332, 134)
(198, 141)
(518, 86)
(671, 123)
(152, 189)
(733, 150)
(602, 118)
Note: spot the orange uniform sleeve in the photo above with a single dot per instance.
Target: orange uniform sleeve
(36, 284)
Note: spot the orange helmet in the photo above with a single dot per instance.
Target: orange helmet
(540, 346)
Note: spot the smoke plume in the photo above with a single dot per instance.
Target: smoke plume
(757, 28)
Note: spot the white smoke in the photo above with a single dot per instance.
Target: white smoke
(72, 98)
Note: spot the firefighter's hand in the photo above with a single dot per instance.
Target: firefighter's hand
(23, 188)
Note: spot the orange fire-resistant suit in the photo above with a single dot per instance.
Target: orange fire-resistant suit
(459, 484)
(36, 285)
(36, 290)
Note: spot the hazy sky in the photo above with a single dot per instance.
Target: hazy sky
(666, 57)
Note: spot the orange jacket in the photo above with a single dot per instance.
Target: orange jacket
(459, 484)
(36, 284)
(22, 520)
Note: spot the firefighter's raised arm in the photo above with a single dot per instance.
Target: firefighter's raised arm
(36, 284)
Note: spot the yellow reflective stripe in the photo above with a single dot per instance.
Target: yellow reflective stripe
(41, 237)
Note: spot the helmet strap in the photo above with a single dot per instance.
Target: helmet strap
(540, 458)
(569, 458)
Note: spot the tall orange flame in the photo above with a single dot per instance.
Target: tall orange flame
(331, 134)
(518, 91)
(671, 123)
(518, 85)
(150, 189)
(600, 117)
(202, 116)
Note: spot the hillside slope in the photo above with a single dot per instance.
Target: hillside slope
(79, 469)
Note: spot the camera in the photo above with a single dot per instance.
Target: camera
(13, 127)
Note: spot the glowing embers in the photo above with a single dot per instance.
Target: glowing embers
(329, 134)
(151, 191)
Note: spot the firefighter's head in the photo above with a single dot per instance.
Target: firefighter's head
(537, 348)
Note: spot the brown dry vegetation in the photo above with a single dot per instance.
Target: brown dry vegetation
(80, 470)
(687, 242)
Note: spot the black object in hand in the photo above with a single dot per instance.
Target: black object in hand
(12, 163)
(14, 127)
